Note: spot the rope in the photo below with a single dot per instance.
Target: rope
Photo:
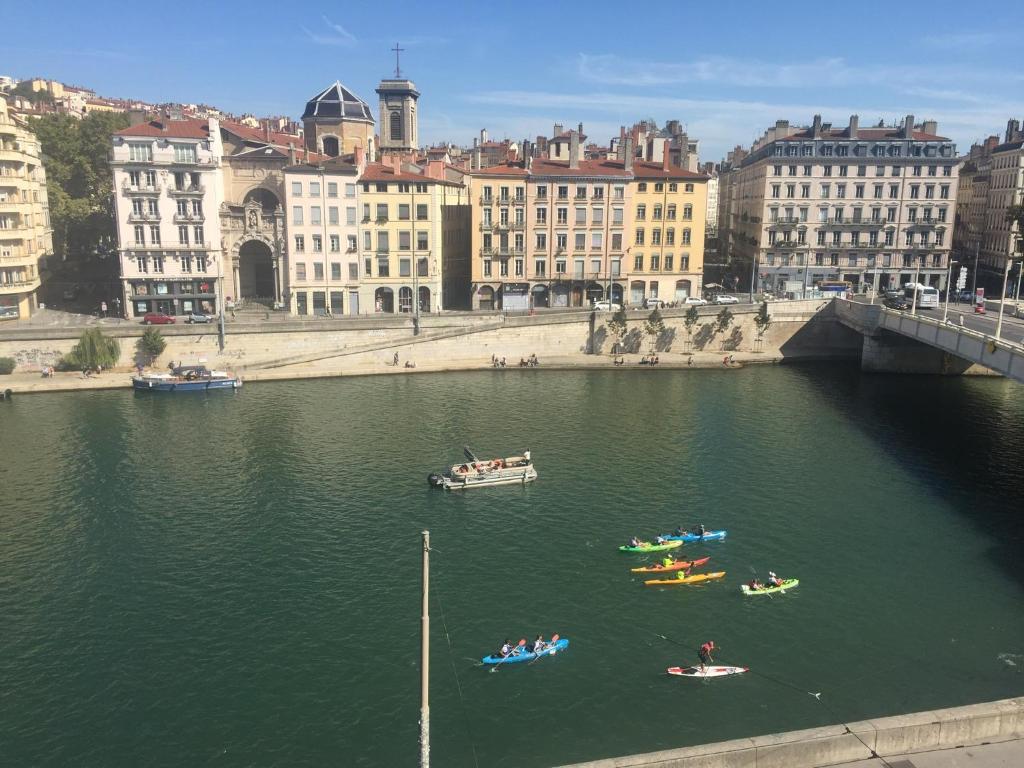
(815, 696)
(458, 684)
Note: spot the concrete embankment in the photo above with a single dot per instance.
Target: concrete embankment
(887, 737)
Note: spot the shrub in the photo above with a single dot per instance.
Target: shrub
(7, 365)
(93, 350)
(151, 344)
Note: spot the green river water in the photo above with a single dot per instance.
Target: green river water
(233, 579)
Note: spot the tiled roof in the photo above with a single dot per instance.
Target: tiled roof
(380, 172)
(175, 129)
(247, 133)
(541, 167)
(501, 169)
(1011, 145)
(645, 170)
(335, 102)
(863, 134)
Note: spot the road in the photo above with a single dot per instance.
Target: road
(1013, 327)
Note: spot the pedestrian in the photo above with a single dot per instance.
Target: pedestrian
(103, 309)
(732, 359)
(725, 361)
(395, 361)
(961, 320)
(117, 307)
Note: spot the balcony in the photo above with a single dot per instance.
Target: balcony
(851, 224)
(128, 189)
(145, 218)
(382, 220)
(500, 227)
(486, 200)
(785, 221)
(518, 226)
(187, 218)
(518, 201)
(504, 201)
(19, 285)
(540, 199)
(598, 197)
(191, 189)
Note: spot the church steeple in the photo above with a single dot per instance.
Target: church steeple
(399, 123)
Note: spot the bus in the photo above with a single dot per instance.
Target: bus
(835, 287)
(927, 297)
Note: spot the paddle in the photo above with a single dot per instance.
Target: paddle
(544, 652)
(520, 644)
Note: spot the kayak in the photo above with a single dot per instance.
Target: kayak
(646, 546)
(695, 579)
(708, 671)
(681, 565)
(787, 584)
(689, 538)
(560, 645)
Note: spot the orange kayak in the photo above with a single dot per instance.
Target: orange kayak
(677, 566)
(695, 579)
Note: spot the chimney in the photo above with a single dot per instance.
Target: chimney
(305, 154)
(266, 124)
(930, 126)
(665, 156)
(627, 162)
(574, 149)
(781, 128)
(359, 155)
(483, 135)
(580, 130)
(435, 170)
(291, 153)
(136, 117)
(557, 132)
(1012, 129)
(475, 164)
(908, 127)
(816, 127)
(854, 124)
(476, 142)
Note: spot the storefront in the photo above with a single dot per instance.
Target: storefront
(515, 296)
(172, 297)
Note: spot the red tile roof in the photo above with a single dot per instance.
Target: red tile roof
(542, 167)
(260, 135)
(380, 172)
(175, 129)
(645, 170)
(501, 169)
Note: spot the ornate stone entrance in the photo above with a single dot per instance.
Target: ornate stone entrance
(254, 233)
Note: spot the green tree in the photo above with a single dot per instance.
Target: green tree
(763, 321)
(93, 351)
(7, 365)
(654, 326)
(24, 90)
(690, 320)
(723, 320)
(79, 183)
(151, 344)
(617, 325)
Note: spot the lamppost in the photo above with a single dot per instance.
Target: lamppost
(753, 267)
(949, 277)
(1002, 296)
(917, 274)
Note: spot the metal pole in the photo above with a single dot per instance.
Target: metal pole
(949, 276)
(425, 658)
(220, 301)
(917, 274)
(1002, 297)
(753, 269)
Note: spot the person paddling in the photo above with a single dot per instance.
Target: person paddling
(634, 542)
(506, 649)
(700, 530)
(538, 644)
(705, 654)
(667, 562)
(774, 580)
(683, 574)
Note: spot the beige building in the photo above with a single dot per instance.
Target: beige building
(870, 206)
(25, 234)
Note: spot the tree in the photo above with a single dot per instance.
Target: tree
(723, 320)
(93, 351)
(762, 320)
(79, 184)
(617, 326)
(151, 344)
(690, 319)
(654, 326)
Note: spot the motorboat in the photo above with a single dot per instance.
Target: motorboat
(186, 378)
(477, 473)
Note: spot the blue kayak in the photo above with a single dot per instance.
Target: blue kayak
(560, 645)
(692, 537)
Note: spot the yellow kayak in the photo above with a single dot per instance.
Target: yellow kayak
(695, 579)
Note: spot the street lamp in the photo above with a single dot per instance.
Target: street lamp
(753, 267)
(917, 274)
(949, 277)
(1002, 295)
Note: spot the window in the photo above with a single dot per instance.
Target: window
(197, 234)
(686, 237)
(296, 189)
(673, 187)
(843, 170)
(184, 153)
(821, 238)
(581, 193)
(140, 237)
(296, 214)
(300, 271)
(382, 212)
(197, 207)
(154, 209)
(805, 190)
(776, 190)
(487, 267)
(641, 212)
(617, 216)
(421, 241)
(383, 244)
(335, 271)
(542, 241)
(318, 244)
(617, 241)
(670, 236)
(383, 267)
(137, 207)
(858, 190)
(318, 270)
(350, 190)
(353, 271)
(542, 191)
(404, 241)
(580, 241)
(350, 215)
(503, 268)
(638, 262)
(140, 153)
(792, 170)
(655, 262)
(639, 237)
(381, 187)
(670, 213)
(894, 191)
(314, 214)
(825, 190)
(929, 191)
(158, 264)
(182, 235)
(403, 212)
(182, 207)
(655, 237)
(542, 216)
(597, 215)
(668, 262)
(561, 241)
(659, 186)
(581, 216)
(351, 243)
(404, 268)
(314, 189)
(367, 240)
(656, 214)
(944, 192)
(300, 243)
(154, 235)
(563, 215)
(332, 189)
(688, 187)
(840, 190)
(421, 212)
(335, 244)
(641, 187)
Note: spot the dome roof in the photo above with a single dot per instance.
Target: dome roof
(337, 102)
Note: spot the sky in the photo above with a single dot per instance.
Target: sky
(726, 70)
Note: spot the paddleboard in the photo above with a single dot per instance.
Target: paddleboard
(708, 671)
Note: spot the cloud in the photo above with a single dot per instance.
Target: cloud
(335, 35)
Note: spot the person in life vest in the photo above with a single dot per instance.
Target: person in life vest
(634, 542)
(539, 644)
(668, 562)
(705, 654)
(506, 649)
(774, 580)
(700, 530)
(683, 574)
(659, 540)
(755, 584)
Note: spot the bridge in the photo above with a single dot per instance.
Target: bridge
(901, 342)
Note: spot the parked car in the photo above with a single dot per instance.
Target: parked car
(896, 302)
(965, 295)
(198, 317)
(603, 305)
(726, 299)
(695, 301)
(157, 318)
(653, 302)
(892, 294)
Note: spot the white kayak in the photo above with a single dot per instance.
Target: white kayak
(706, 672)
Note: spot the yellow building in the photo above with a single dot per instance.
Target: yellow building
(413, 238)
(666, 257)
(25, 234)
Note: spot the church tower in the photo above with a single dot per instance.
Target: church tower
(399, 124)
(336, 121)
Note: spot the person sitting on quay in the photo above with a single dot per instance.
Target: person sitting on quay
(410, 364)
(522, 362)
(503, 362)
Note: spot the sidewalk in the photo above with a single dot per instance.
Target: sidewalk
(1005, 754)
(26, 383)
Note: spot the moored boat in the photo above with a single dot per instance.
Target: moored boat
(475, 473)
(186, 378)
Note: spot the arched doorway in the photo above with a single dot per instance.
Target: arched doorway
(594, 292)
(405, 299)
(486, 294)
(683, 288)
(616, 296)
(256, 271)
(541, 298)
(384, 300)
(424, 299)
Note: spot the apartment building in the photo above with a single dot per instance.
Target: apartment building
(168, 190)
(549, 232)
(666, 260)
(25, 234)
(872, 206)
(323, 230)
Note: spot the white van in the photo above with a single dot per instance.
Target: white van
(927, 297)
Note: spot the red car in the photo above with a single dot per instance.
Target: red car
(157, 318)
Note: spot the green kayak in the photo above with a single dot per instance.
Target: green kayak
(646, 546)
(787, 584)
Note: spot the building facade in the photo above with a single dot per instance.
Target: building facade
(168, 190)
(871, 206)
(25, 233)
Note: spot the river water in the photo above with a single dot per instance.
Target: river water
(233, 579)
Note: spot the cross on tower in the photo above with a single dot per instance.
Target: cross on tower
(398, 68)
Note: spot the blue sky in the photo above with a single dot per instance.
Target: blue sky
(724, 69)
